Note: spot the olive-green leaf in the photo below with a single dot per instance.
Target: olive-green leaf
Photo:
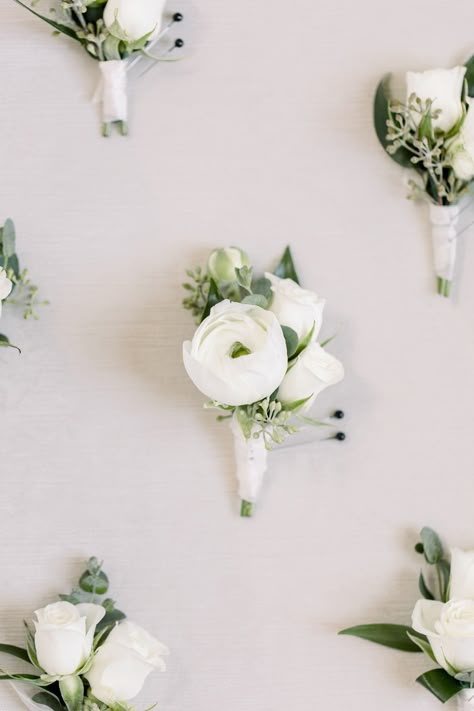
(109, 621)
(424, 589)
(262, 286)
(432, 546)
(9, 239)
(13, 651)
(394, 636)
(381, 116)
(286, 267)
(469, 76)
(213, 298)
(256, 300)
(57, 26)
(97, 584)
(424, 645)
(291, 339)
(72, 691)
(45, 698)
(441, 684)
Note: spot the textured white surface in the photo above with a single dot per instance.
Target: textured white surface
(261, 137)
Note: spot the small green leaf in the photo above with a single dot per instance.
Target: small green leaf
(292, 406)
(425, 128)
(111, 47)
(286, 268)
(256, 300)
(445, 572)
(291, 339)
(424, 645)
(9, 239)
(5, 343)
(46, 698)
(13, 651)
(263, 286)
(394, 636)
(469, 76)
(97, 584)
(424, 589)
(432, 545)
(238, 350)
(244, 277)
(12, 263)
(60, 28)
(214, 297)
(441, 684)
(110, 619)
(72, 691)
(305, 342)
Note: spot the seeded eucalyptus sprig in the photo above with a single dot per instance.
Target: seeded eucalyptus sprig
(431, 547)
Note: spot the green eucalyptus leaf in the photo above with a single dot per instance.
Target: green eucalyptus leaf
(441, 684)
(72, 691)
(424, 589)
(12, 263)
(286, 267)
(263, 286)
(13, 651)
(394, 636)
(291, 339)
(9, 239)
(110, 619)
(214, 297)
(469, 76)
(111, 47)
(244, 276)
(51, 701)
(57, 26)
(256, 300)
(432, 546)
(381, 116)
(97, 584)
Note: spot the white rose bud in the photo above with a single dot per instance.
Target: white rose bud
(238, 354)
(5, 287)
(461, 151)
(123, 663)
(222, 264)
(136, 17)
(64, 636)
(444, 87)
(314, 371)
(295, 307)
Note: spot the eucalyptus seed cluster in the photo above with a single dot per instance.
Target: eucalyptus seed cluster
(25, 294)
(94, 36)
(270, 420)
(198, 288)
(427, 147)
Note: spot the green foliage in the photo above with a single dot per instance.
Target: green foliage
(58, 27)
(441, 684)
(46, 698)
(394, 636)
(13, 651)
(291, 340)
(214, 297)
(469, 76)
(424, 590)
(431, 548)
(198, 293)
(286, 267)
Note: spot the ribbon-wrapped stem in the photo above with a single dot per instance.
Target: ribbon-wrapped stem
(465, 700)
(251, 464)
(113, 95)
(444, 231)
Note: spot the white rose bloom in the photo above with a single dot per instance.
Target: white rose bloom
(450, 631)
(295, 307)
(123, 663)
(242, 380)
(64, 636)
(5, 287)
(136, 17)
(313, 371)
(461, 152)
(444, 88)
(222, 263)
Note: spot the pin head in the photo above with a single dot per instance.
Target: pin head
(340, 436)
(179, 43)
(177, 17)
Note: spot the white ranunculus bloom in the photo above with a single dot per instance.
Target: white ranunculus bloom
(123, 663)
(450, 630)
(314, 370)
(461, 581)
(136, 17)
(222, 263)
(64, 636)
(444, 87)
(295, 307)
(5, 287)
(461, 152)
(229, 329)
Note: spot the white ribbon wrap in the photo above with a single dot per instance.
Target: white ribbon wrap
(251, 462)
(465, 700)
(26, 693)
(113, 90)
(444, 222)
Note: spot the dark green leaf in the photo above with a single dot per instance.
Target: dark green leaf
(5, 343)
(286, 268)
(394, 636)
(12, 264)
(441, 684)
(214, 297)
(57, 26)
(97, 584)
(423, 644)
(256, 300)
(291, 339)
(110, 619)
(381, 115)
(263, 286)
(9, 239)
(445, 571)
(432, 545)
(305, 342)
(469, 76)
(13, 651)
(47, 699)
(424, 589)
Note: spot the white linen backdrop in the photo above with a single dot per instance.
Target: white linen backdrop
(261, 137)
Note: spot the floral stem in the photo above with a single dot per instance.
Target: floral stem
(246, 510)
(444, 287)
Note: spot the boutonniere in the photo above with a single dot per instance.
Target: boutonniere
(255, 355)
(116, 33)
(16, 287)
(85, 654)
(442, 622)
(431, 132)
